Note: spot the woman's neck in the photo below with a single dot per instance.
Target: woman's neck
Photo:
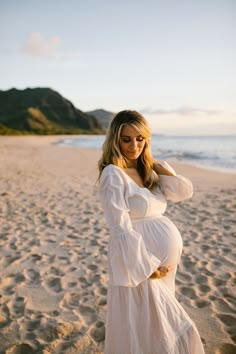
(132, 164)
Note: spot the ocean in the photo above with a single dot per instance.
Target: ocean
(211, 152)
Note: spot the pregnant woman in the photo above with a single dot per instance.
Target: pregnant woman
(143, 315)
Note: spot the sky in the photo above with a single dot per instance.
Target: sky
(172, 60)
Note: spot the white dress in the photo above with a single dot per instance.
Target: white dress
(143, 315)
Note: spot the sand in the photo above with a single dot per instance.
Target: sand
(53, 255)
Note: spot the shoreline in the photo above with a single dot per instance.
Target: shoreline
(54, 241)
(54, 139)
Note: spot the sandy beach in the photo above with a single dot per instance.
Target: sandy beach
(53, 251)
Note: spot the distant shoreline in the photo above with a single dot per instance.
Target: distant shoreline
(187, 157)
(55, 140)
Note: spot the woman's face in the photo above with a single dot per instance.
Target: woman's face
(131, 143)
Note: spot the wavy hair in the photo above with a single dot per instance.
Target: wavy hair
(111, 147)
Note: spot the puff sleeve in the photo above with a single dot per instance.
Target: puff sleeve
(175, 188)
(130, 262)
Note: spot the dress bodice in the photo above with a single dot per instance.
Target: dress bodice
(142, 203)
(139, 202)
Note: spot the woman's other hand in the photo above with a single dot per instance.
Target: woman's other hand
(161, 272)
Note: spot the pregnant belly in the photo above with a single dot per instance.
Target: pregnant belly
(162, 238)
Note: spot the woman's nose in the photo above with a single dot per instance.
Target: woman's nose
(133, 143)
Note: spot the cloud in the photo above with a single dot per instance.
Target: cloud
(38, 46)
(183, 111)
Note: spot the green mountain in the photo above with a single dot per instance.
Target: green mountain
(42, 111)
(103, 117)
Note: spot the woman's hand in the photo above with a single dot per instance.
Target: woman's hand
(160, 170)
(161, 272)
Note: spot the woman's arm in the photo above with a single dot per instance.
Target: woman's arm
(129, 260)
(161, 170)
(174, 187)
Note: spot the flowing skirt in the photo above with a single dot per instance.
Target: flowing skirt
(148, 319)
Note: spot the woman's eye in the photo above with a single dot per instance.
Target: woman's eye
(127, 140)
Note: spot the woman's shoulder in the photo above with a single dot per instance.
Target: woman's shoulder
(111, 170)
(111, 176)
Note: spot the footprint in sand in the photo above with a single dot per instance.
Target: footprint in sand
(232, 334)
(102, 301)
(85, 293)
(102, 290)
(88, 212)
(19, 278)
(32, 275)
(34, 242)
(72, 236)
(85, 310)
(54, 284)
(189, 292)
(12, 244)
(95, 278)
(201, 279)
(71, 301)
(204, 288)
(93, 267)
(36, 257)
(208, 272)
(202, 263)
(94, 243)
(72, 284)
(231, 300)
(228, 320)
(183, 277)
(9, 259)
(103, 250)
(229, 323)
(4, 315)
(218, 282)
(31, 324)
(83, 280)
(8, 290)
(202, 303)
(20, 348)
(72, 269)
(56, 271)
(223, 306)
(205, 247)
(18, 306)
(97, 331)
(97, 230)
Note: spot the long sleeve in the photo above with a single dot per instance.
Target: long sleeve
(129, 260)
(175, 188)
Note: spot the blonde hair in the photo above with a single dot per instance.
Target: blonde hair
(111, 147)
